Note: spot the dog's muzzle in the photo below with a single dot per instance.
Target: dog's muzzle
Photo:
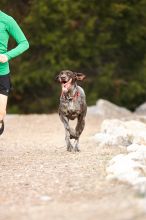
(66, 86)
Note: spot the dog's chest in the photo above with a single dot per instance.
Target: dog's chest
(71, 108)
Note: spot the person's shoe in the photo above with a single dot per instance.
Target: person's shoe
(1, 127)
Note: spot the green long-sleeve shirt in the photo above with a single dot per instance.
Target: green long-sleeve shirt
(9, 27)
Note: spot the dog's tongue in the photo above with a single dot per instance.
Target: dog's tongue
(66, 86)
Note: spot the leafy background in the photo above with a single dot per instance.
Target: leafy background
(105, 39)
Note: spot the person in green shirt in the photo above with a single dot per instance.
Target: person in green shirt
(8, 27)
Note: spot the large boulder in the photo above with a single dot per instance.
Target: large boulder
(106, 109)
(136, 147)
(123, 168)
(141, 109)
(116, 132)
(131, 166)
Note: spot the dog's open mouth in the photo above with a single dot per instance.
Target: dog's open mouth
(66, 85)
(63, 81)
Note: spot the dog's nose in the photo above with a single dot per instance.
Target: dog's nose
(63, 77)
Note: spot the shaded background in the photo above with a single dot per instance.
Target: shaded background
(105, 39)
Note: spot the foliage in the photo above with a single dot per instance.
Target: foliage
(105, 39)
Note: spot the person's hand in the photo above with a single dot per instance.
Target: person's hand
(3, 58)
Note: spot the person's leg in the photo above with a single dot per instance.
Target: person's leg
(5, 86)
(3, 105)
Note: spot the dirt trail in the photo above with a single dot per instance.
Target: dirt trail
(40, 180)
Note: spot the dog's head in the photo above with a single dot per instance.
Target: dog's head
(67, 75)
(67, 78)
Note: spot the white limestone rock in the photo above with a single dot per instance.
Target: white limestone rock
(106, 109)
(116, 132)
(136, 147)
(124, 169)
(130, 167)
(141, 109)
(138, 156)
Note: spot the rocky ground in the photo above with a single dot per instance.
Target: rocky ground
(40, 180)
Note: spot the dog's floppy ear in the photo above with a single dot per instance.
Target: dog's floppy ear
(80, 76)
(57, 78)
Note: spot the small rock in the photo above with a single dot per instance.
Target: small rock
(45, 198)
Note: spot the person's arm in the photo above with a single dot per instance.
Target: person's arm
(15, 31)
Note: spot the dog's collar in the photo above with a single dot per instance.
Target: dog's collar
(75, 96)
(71, 98)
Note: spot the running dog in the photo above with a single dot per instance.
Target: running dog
(72, 105)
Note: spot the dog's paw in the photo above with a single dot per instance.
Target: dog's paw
(77, 149)
(70, 148)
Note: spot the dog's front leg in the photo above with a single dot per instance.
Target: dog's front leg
(65, 121)
(76, 147)
(80, 125)
(67, 139)
(79, 128)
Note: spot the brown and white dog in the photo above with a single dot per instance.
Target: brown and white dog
(72, 105)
